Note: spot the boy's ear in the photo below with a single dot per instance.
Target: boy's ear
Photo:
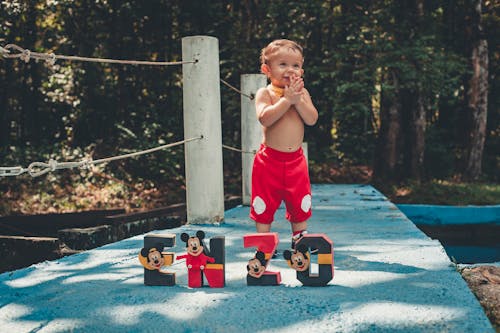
(301, 72)
(264, 68)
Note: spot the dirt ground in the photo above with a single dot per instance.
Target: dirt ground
(484, 281)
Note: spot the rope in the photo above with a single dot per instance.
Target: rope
(26, 55)
(251, 96)
(51, 58)
(239, 150)
(4, 51)
(147, 151)
(36, 169)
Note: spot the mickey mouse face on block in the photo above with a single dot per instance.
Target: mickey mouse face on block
(155, 259)
(152, 258)
(194, 245)
(298, 259)
(257, 265)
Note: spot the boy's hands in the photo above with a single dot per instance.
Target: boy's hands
(293, 92)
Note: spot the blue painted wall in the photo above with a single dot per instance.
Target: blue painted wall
(449, 215)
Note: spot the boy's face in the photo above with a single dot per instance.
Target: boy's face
(282, 66)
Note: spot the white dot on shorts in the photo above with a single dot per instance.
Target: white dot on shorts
(306, 203)
(259, 206)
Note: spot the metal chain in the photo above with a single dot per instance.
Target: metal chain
(36, 169)
(12, 171)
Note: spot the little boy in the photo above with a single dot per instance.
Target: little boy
(280, 170)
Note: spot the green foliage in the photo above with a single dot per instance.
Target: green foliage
(441, 192)
(104, 110)
(440, 155)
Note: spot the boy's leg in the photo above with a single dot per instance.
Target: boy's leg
(298, 227)
(297, 195)
(298, 231)
(261, 227)
(266, 196)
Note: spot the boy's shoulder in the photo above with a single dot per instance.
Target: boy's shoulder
(263, 89)
(263, 92)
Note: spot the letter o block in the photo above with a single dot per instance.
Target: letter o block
(324, 260)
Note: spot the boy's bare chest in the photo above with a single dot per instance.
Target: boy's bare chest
(290, 122)
(291, 115)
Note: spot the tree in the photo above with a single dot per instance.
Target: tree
(417, 70)
(388, 77)
(477, 92)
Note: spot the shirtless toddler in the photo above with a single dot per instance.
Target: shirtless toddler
(280, 170)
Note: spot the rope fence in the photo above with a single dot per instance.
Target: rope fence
(251, 96)
(36, 169)
(51, 58)
(195, 47)
(239, 150)
(26, 55)
(204, 170)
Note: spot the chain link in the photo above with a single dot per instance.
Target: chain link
(12, 171)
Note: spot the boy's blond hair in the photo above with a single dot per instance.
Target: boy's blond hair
(277, 44)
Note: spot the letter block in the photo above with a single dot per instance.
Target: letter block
(324, 260)
(216, 273)
(201, 261)
(266, 244)
(153, 259)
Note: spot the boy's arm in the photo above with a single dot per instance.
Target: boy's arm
(306, 108)
(268, 113)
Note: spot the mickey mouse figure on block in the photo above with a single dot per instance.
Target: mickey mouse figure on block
(196, 259)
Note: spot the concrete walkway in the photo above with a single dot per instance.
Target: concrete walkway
(389, 277)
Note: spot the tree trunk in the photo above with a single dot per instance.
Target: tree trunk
(413, 122)
(401, 144)
(419, 123)
(416, 120)
(477, 97)
(388, 143)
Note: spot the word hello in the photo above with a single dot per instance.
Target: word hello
(312, 259)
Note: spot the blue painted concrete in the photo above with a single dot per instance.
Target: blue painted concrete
(389, 277)
(469, 248)
(445, 215)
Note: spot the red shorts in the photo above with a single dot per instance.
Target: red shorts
(279, 176)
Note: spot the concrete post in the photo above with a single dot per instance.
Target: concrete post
(251, 133)
(202, 117)
(305, 149)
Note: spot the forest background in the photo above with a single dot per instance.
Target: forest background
(407, 93)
